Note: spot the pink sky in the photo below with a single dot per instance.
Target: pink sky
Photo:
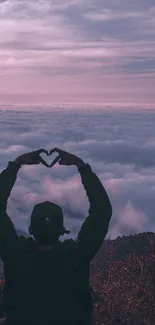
(83, 51)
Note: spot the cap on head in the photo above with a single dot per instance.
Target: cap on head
(50, 215)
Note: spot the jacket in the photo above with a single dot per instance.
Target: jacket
(52, 287)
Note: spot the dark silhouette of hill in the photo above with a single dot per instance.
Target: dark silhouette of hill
(123, 277)
(121, 247)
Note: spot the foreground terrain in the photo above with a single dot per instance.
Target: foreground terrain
(123, 278)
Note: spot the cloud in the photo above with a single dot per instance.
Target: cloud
(118, 151)
(113, 15)
(140, 65)
(119, 147)
(129, 220)
(77, 49)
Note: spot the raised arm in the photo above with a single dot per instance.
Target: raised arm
(7, 231)
(95, 227)
(7, 180)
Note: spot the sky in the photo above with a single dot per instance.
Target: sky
(119, 146)
(77, 51)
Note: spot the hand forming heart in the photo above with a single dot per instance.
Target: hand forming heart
(46, 163)
(64, 158)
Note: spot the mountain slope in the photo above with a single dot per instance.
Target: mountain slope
(123, 277)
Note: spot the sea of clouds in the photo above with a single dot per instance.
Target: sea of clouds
(119, 146)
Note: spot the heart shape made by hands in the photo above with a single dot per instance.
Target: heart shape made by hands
(46, 162)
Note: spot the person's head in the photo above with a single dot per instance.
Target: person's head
(46, 223)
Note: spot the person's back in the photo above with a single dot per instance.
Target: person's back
(47, 281)
(47, 286)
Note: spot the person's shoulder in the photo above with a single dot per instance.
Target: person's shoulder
(24, 239)
(69, 244)
(24, 242)
(69, 250)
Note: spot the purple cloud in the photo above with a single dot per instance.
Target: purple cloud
(79, 51)
(118, 145)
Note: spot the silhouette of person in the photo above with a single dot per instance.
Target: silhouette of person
(47, 280)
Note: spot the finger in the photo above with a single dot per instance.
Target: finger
(61, 162)
(42, 161)
(36, 161)
(55, 161)
(56, 150)
(41, 151)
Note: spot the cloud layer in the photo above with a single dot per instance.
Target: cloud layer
(79, 51)
(120, 148)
